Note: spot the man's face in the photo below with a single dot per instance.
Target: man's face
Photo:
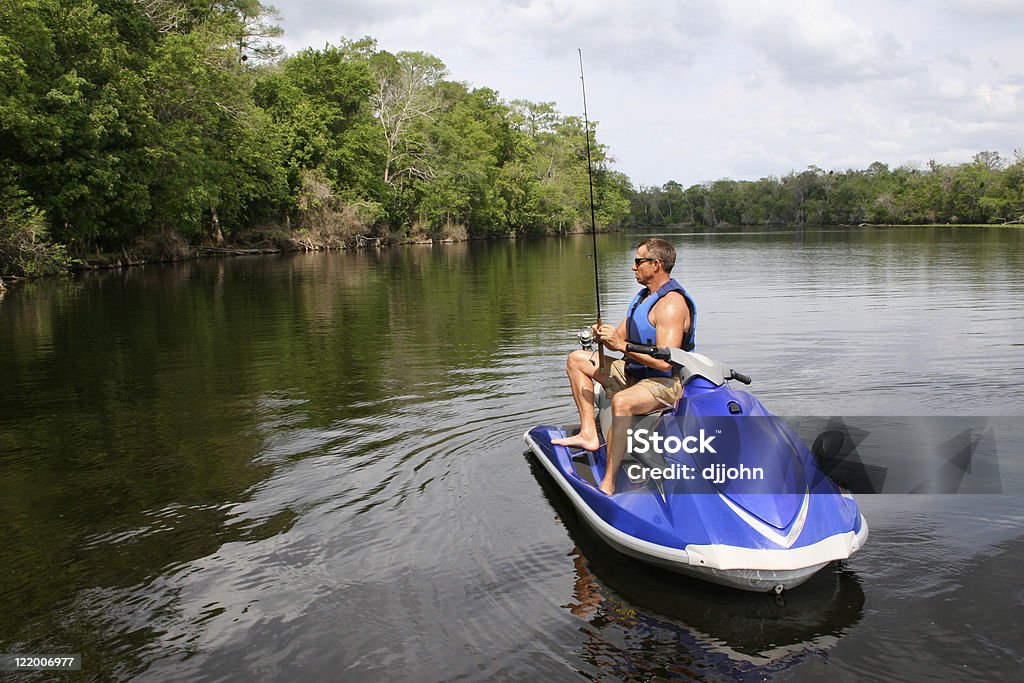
(645, 269)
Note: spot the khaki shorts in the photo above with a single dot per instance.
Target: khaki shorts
(666, 390)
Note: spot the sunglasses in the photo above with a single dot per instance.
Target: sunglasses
(638, 261)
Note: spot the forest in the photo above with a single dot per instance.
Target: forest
(988, 189)
(145, 126)
(147, 129)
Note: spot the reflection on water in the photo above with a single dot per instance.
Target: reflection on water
(310, 465)
(646, 622)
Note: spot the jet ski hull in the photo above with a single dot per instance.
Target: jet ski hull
(686, 532)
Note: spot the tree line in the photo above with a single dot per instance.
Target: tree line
(988, 189)
(142, 127)
(149, 124)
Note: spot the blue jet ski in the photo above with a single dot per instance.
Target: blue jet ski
(717, 488)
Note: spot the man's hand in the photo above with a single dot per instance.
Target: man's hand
(610, 337)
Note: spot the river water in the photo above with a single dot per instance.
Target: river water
(311, 467)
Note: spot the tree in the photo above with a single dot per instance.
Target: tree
(210, 153)
(75, 120)
(467, 144)
(319, 100)
(1013, 188)
(404, 98)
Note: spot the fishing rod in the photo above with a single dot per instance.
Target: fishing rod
(593, 221)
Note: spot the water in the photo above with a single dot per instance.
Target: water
(311, 467)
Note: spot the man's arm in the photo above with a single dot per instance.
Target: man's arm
(671, 320)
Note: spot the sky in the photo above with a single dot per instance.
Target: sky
(699, 90)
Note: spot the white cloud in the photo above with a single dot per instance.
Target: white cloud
(814, 43)
(696, 90)
(978, 11)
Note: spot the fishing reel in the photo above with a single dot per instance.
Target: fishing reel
(586, 337)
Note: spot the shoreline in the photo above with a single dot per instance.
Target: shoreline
(178, 252)
(184, 252)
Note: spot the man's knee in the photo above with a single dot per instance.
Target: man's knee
(633, 401)
(579, 360)
(623, 403)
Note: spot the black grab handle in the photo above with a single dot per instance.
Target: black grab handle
(739, 376)
(652, 351)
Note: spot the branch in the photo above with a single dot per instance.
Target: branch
(166, 15)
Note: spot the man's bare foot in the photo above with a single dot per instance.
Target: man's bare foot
(588, 442)
(607, 489)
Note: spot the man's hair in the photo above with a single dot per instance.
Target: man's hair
(661, 250)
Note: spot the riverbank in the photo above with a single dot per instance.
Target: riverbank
(169, 247)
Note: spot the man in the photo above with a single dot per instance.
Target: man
(662, 314)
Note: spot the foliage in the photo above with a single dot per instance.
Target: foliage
(150, 122)
(74, 118)
(432, 157)
(987, 189)
(134, 122)
(25, 247)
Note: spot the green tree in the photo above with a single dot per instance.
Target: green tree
(1012, 182)
(319, 100)
(406, 96)
(467, 142)
(211, 154)
(75, 122)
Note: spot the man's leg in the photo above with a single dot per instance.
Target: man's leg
(627, 403)
(581, 366)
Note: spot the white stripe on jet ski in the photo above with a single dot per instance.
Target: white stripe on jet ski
(767, 531)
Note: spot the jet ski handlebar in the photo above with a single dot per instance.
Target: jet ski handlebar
(661, 353)
(739, 376)
(691, 364)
